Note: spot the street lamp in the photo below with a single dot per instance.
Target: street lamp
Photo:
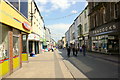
(32, 13)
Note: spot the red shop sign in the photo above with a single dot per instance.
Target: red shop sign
(26, 26)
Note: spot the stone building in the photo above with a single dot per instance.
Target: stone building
(104, 20)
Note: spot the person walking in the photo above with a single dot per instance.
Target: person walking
(73, 49)
(84, 50)
(68, 51)
(80, 49)
(76, 50)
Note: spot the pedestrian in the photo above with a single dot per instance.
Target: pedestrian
(68, 51)
(84, 49)
(52, 49)
(76, 50)
(80, 49)
(73, 49)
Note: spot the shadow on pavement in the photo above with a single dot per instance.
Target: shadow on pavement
(92, 67)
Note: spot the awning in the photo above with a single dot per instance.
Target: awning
(33, 37)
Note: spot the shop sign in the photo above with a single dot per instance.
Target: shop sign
(26, 26)
(81, 38)
(105, 29)
(33, 37)
(36, 37)
(111, 37)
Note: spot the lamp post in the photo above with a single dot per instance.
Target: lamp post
(32, 13)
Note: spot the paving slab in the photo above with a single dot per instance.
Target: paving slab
(48, 65)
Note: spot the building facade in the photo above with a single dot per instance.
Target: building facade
(67, 37)
(14, 28)
(83, 27)
(47, 37)
(35, 39)
(104, 26)
(72, 34)
(78, 32)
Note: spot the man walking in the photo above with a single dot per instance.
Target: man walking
(68, 51)
(73, 49)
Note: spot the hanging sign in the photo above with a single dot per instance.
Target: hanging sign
(26, 26)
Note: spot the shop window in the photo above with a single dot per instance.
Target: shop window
(24, 43)
(4, 43)
(0, 42)
(15, 46)
(15, 42)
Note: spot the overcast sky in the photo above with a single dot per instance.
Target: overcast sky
(60, 14)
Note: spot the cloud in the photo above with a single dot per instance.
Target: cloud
(74, 11)
(55, 4)
(43, 2)
(58, 30)
(60, 4)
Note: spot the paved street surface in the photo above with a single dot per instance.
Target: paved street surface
(48, 65)
(93, 67)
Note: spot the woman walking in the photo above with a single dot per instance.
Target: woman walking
(76, 50)
(84, 50)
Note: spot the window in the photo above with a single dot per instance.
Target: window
(4, 49)
(116, 10)
(73, 36)
(15, 42)
(24, 8)
(104, 14)
(95, 21)
(96, 3)
(85, 27)
(80, 19)
(85, 14)
(24, 43)
(15, 46)
(15, 3)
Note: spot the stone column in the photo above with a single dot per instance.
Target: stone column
(33, 49)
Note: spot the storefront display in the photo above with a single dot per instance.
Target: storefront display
(104, 44)
(105, 38)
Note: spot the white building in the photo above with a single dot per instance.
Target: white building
(67, 36)
(47, 37)
(79, 31)
(36, 38)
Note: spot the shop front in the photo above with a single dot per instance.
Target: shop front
(12, 25)
(86, 41)
(34, 43)
(105, 39)
(81, 41)
(44, 44)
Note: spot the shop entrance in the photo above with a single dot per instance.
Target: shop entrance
(113, 46)
(36, 47)
(30, 46)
